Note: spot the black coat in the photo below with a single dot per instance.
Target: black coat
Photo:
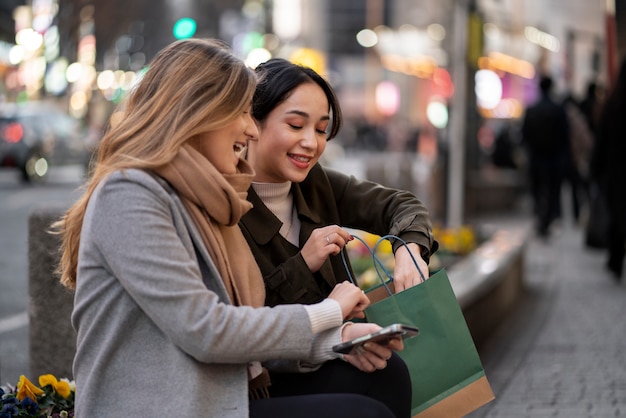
(608, 165)
(328, 197)
(545, 130)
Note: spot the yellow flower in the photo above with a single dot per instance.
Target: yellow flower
(47, 379)
(461, 240)
(26, 389)
(61, 387)
(384, 247)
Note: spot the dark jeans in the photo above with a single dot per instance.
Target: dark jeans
(384, 393)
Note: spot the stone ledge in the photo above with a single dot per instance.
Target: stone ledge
(52, 340)
(489, 281)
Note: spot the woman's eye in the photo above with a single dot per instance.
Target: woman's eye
(295, 126)
(321, 131)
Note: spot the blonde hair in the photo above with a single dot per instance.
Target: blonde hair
(192, 87)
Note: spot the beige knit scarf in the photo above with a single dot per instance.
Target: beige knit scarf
(216, 202)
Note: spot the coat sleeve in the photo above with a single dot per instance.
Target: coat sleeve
(381, 210)
(132, 228)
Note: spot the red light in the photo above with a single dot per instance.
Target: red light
(443, 85)
(14, 132)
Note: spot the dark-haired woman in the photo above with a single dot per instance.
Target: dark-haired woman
(296, 228)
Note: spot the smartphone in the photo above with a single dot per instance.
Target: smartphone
(382, 336)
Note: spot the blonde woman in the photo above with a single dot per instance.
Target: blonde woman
(168, 298)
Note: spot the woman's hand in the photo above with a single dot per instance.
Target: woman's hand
(351, 298)
(370, 356)
(405, 273)
(322, 243)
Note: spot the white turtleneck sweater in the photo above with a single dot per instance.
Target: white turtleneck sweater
(279, 200)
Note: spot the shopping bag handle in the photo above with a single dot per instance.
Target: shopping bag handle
(403, 242)
(378, 265)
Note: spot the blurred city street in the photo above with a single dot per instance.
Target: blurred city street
(561, 352)
(16, 202)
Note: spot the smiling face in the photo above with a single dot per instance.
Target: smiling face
(223, 146)
(292, 138)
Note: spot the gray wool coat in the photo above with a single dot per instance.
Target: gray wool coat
(157, 335)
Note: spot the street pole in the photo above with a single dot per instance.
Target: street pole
(456, 140)
(611, 42)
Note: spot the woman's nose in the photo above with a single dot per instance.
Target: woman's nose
(308, 139)
(252, 131)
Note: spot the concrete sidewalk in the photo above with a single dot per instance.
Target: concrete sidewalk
(562, 352)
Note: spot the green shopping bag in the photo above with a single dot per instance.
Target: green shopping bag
(447, 376)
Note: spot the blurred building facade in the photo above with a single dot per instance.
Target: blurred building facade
(397, 65)
(414, 37)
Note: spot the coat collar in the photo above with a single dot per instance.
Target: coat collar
(263, 225)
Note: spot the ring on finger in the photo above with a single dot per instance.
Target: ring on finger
(327, 240)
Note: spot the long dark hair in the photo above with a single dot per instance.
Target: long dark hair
(278, 78)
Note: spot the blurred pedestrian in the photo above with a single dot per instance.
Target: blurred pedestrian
(591, 105)
(608, 168)
(168, 298)
(503, 155)
(545, 134)
(596, 234)
(577, 164)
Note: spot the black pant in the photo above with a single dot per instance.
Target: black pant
(383, 393)
(617, 239)
(326, 405)
(579, 189)
(546, 176)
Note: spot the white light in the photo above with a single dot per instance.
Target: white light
(367, 38)
(29, 39)
(74, 72)
(287, 18)
(41, 167)
(257, 56)
(105, 80)
(488, 89)
(543, 39)
(436, 32)
(437, 114)
(55, 81)
(16, 54)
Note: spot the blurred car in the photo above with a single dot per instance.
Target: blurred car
(35, 136)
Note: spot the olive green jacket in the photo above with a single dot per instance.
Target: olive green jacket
(329, 197)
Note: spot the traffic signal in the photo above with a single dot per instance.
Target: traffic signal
(184, 28)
